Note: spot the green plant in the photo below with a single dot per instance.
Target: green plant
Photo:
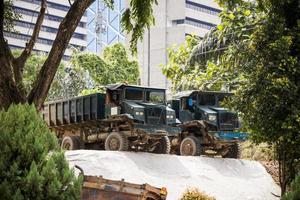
(294, 194)
(260, 152)
(32, 166)
(195, 194)
(112, 67)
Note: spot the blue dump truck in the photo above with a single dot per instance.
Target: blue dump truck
(124, 118)
(207, 127)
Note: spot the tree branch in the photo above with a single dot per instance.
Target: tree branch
(19, 63)
(66, 29)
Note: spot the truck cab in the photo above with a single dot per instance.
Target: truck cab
(206, 124)
(206, 105)
(144, 105)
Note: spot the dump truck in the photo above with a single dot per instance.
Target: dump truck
(124, 118)
(98, 187)
(207, 127)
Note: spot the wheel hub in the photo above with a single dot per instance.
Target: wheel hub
(114, 144)
(188, 148)
(66, 146)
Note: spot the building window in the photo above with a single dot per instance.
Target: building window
(47, 16)
(50, 4)
(46, 29)
(202, 8)
(198, 23)
(24, 37)
(194, 22)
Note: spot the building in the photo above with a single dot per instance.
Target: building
(173, 21)
(56, 11)
(103, 25)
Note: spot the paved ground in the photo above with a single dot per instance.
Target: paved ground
(225, 179)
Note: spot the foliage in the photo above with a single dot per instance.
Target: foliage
(260, 152)
(68, 81)
(176, 69)
(195, 194)
(92, 91)
(294, 194)
(261, 59)
(10, 15)
(114, 66)
(136, 18)
(32, 165)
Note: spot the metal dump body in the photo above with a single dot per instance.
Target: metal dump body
(75, 110)
(98, 188)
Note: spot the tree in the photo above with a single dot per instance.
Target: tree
(9, 16)
(68, 81)
(32, 165)
(258, 43)
(113, 67)
(135, 19)
(176, 69)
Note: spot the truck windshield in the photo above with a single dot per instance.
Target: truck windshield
(134, 94)
(207, 99)
(155, 96)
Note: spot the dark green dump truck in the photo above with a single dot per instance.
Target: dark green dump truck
(124, 118)
(207, 127)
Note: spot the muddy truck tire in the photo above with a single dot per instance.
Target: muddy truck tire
(164, 146)
(190, 146)
(116, 141)
(71, 143)
(234, 151)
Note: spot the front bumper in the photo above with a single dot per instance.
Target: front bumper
(229, 136)
(158, 129)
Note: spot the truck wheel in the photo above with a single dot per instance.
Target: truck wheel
(70, 143)
(116, 141)
(164, 146)
(235, 151)
(190, 146)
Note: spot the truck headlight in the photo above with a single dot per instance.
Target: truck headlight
(139, 113)
(212, 117)
(170, 116)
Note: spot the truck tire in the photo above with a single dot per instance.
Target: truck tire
(70, 143)
(164, 146)
(235, 151)
(190, 146)
(116, 141)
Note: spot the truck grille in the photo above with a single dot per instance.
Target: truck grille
(155, 116)
(228, 121)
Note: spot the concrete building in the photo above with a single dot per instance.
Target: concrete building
(56, 11)
(174, 19)
(103, 25)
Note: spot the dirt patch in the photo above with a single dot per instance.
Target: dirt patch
(272, 168)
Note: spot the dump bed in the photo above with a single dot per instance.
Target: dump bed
(105, 189)
(75, 110)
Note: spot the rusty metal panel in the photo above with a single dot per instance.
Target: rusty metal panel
(105, 189)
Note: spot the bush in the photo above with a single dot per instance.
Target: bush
(261, 152)
(32, 166)
(294, 194)
(195, 194)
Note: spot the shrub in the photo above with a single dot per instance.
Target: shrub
(294, 194)
(261, 152)
(195, 194)
(32, 166)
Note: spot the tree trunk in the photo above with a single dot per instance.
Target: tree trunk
(45, 77)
